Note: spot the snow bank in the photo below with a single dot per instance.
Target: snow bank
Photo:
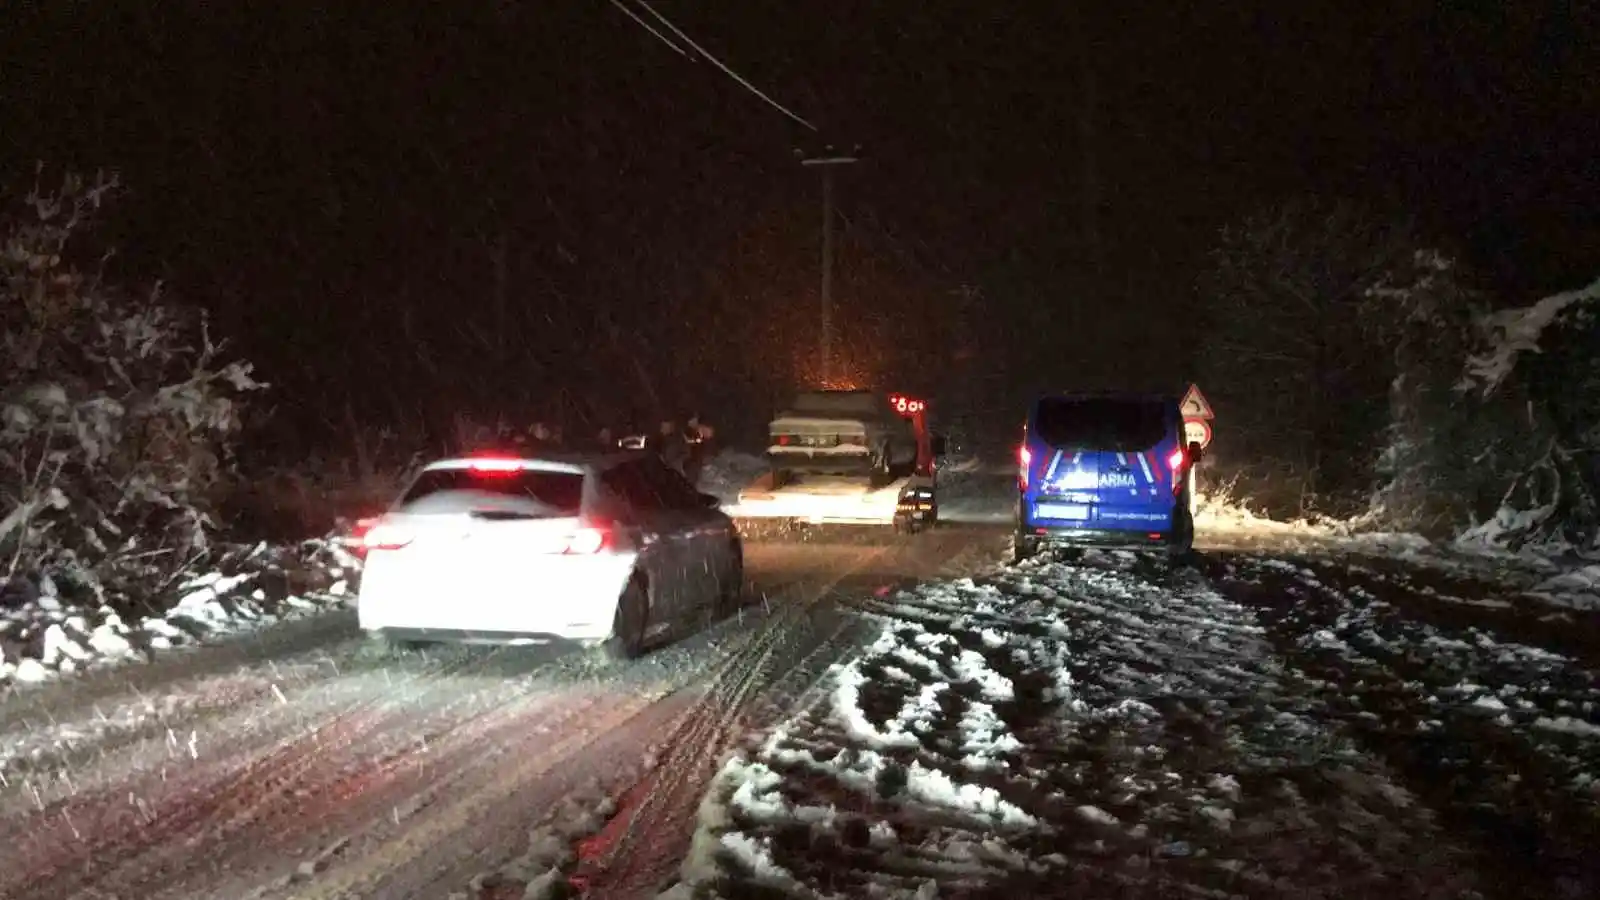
(43, 635)
(1530, 574)
(1221, 520)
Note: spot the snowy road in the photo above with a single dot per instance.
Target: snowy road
(300, 763)
(1259, 725)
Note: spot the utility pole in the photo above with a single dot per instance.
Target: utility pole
(827, 161)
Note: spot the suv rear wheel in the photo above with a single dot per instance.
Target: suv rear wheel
(628, 625)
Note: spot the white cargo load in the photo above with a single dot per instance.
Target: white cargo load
(820, 500)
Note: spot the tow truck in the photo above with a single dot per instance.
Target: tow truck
(907, 502)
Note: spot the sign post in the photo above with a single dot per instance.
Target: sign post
(1197, 416)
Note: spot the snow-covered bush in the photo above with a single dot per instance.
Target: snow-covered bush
(117, 416)
(325, 492)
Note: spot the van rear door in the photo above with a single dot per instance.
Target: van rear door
(1112, 451)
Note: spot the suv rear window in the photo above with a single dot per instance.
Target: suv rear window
(559, 492)
(1100, 423)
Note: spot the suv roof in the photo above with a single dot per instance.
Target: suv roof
(560, 461)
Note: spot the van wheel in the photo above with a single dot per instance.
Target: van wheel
(629, 623)
(1024, 548)
(1181, 548)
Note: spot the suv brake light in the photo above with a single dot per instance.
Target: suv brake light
(495, 465)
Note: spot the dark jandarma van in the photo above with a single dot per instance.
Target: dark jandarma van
(1105, 469)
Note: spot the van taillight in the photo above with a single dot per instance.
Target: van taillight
(1175, 461)
(1024, 463)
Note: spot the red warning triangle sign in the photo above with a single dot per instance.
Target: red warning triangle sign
(1194, 405)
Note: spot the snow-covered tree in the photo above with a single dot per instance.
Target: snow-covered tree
(1547, 357)
(1447, 453)
(1294, 346)
(117, 414)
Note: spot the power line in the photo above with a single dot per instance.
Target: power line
(647, 27)
(745, 83)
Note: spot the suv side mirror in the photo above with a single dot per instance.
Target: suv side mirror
(940, 445)
(1196, 453)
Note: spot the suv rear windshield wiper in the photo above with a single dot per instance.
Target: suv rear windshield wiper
(504, 515)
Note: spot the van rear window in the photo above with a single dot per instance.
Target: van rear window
(1100, 423)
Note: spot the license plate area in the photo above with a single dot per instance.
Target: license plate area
(818, 440)
(1066, 512)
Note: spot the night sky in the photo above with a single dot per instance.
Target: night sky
(338, 181)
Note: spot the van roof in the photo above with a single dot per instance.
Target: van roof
(1160, 396)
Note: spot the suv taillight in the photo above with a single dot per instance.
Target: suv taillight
(587, 541)
(383, 536)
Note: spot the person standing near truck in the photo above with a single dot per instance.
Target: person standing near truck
(669, 444)
(698, 436)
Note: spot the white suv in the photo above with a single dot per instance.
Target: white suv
(609, 549)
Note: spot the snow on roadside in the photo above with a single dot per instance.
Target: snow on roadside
(44, 635)
(1109, 724)
(1221, 523)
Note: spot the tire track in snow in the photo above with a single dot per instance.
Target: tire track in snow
(410, 858)
(179, 811)
(228, 709)
(281, 707)
(345, 803)
(644, 841)
(905, 561)
(431, 858)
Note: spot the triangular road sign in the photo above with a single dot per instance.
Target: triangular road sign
(1194, 405)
